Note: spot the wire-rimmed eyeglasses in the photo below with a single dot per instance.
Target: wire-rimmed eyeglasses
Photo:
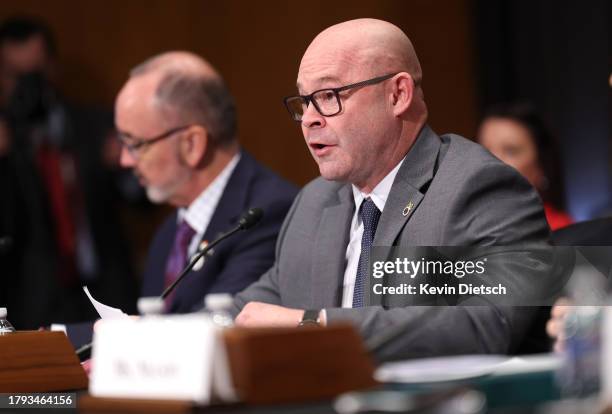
(136, 145)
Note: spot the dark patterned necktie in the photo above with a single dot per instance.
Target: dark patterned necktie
(178, 256)
(370, 215)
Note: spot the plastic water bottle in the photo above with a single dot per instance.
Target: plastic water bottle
(5, 326)
(579, 375)
(218, 305)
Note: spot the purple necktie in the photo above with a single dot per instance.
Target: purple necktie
(178, 256)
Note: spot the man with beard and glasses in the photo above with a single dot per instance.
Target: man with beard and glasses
(177, 124)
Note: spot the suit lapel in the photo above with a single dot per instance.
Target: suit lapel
(406, 192)
(229, 209)
(329, 255)
(233, 200)
(398, 209)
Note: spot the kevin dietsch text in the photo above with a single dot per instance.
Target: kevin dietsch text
(422, 268)
(427, 289)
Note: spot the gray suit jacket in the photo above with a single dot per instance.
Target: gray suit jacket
(462, 195)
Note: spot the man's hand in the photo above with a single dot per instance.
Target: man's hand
(554, 326)
(258, 315)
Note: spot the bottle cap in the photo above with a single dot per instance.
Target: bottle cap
(150, 306)
(218, 301)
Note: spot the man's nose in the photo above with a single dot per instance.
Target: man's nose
(126, 159)
(312, 118)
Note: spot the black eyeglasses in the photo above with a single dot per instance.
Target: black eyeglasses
(135, 145)
(326, 101)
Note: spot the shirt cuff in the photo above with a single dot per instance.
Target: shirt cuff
(58, 327)
(323, 317)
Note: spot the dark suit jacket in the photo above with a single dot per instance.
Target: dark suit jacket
(235, 263)
(238, 261)
(461, 196)
(596, 232)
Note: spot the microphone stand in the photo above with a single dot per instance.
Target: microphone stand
(248, 220)
(196, 257)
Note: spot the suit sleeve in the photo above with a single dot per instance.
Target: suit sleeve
(266, 288)
(253, 255)
(494, 206)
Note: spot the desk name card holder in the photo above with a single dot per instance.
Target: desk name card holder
(158, 357)
(39, 361)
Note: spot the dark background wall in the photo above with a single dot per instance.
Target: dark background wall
(558, 55)
(257, 46)
(473, 52)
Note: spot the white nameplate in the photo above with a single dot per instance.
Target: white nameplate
(156, 357)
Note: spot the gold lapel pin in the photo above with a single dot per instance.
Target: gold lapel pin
(200, 263)
(408, 208)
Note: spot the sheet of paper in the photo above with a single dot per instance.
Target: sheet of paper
(454, 368)
(439, 369)
(105, 311)
(530, 363)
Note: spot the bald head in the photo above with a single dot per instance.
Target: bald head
(367, 43)
(376, 110)
(187, 90)
(177, 61)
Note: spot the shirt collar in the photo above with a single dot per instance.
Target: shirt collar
(200, 211)
(380, 193)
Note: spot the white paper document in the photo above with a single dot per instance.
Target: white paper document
(105, 311)
(463, 367)
(440, 369)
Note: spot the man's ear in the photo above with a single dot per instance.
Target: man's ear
(193, 145)
(402, 93)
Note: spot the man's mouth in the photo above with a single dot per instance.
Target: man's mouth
(320, 149)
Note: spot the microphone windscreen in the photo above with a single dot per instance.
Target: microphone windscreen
(250, 218)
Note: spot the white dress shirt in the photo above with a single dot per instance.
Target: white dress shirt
(379, 196)
(201, 210)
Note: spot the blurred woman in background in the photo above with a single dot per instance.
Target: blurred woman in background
(515, 134)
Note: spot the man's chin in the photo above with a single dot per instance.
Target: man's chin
(332, 174)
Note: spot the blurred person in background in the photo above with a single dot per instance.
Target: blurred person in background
(515, 134)
(177, 123)
(58, 192)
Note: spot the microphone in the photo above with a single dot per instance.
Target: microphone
(250, 218)
(247, 221)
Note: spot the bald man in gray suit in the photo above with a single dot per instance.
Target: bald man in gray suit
(387, 179)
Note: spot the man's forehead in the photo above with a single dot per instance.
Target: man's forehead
(326, 68)
(137, 111)
(139, 90)
(308, 81)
